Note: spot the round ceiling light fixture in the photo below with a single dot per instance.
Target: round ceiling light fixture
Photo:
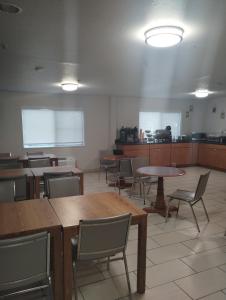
(202, 93)
(9, 8)
(69, 86)
(164, 36)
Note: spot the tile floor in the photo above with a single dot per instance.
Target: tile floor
(181, 263)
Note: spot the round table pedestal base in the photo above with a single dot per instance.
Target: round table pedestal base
(161, 211)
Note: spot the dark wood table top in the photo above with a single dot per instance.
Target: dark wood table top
(160, 171)
(38, 172)
(26, 217)
(13, 173)
(70, 210)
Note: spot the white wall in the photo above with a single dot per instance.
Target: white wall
(96, 112)
(213, 121)
(103, 115)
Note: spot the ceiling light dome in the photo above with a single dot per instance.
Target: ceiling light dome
(164, 36)
(202, 93)
(69, 86)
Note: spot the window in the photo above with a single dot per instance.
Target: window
(52, 128)
(159, 120)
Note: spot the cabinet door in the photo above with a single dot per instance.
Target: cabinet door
(181, 154)
(160, 155)
(207, 155)
(220, 160)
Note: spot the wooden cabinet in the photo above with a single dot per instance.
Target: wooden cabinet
(213, 156)
(160, 155)
(181, 154)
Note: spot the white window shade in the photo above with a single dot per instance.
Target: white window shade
(159, 120)
(52, 128)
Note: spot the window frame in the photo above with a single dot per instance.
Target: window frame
(53, 109)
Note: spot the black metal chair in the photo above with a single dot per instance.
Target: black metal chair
(191, 197)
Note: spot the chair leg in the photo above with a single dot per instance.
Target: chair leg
(74, 281)
(205, 210)
(127, 275)
(167, 210)
(178, 208)
(108, 263)
(144, 193)
(194, 216)
(106, 175)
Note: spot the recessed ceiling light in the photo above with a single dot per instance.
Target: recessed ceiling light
(69, 86)
(10, 8)
(164, 36)
(202, 93)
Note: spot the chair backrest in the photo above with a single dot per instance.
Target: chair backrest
(49, 175)
(201, 187)
(39, 162)
(102, 237)
(139, 162)
(10, 163)
(24, 261)
(125, 168)
(21, 188)
(6, 154)
(64, 186)
(35, 153)
(7, 190)
(103, 154)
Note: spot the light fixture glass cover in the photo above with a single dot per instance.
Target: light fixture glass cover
(164, 36)
(69, 86)
(201, 93)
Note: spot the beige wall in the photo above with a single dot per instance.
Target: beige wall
(213, 121)
(96, 113)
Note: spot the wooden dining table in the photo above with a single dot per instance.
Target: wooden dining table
(38, 174)
(15, 173)
(160, 172)
(70, 210)
(33, 216)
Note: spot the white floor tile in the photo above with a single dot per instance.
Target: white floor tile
(206, 243)
(204, 283)
(166, 272)
(215, 296)
(203, 261)
(167, 253)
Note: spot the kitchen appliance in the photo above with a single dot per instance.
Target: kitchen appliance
(214, 138)
(163, 135)
(128, 135)
(198, 136)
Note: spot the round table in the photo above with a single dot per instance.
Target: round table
(160, 172)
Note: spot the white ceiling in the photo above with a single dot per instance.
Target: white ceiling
(101, 44)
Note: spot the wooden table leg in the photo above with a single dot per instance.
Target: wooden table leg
(37, 187)
(31, 187)
(141, 255)
(68, 271)
(82, 184)
(57, 264)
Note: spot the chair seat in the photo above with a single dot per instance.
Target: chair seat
(183, 195)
